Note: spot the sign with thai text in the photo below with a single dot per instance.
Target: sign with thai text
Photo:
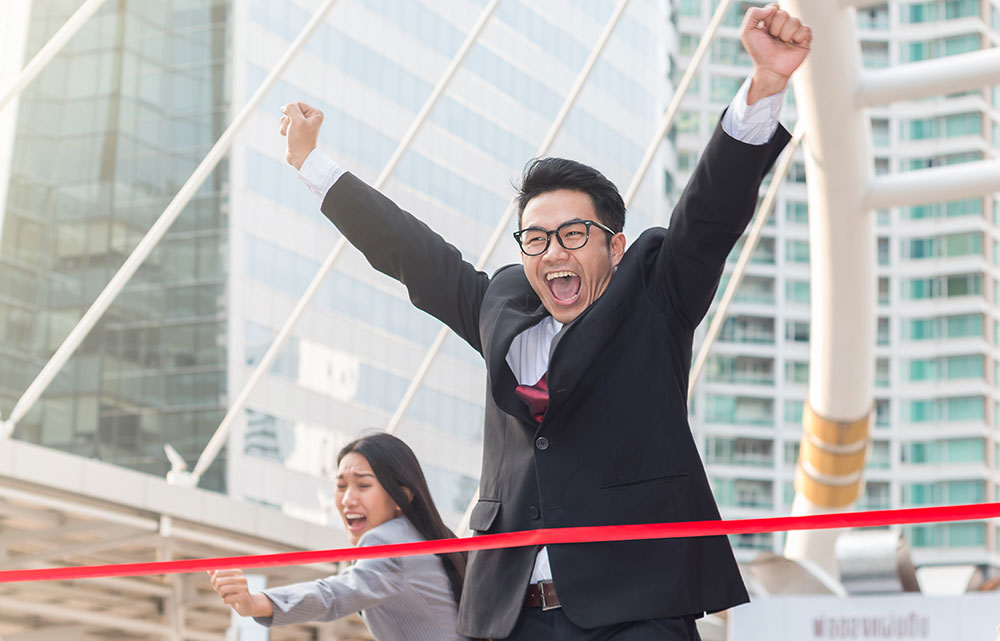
(906, 617)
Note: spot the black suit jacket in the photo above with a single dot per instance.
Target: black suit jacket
(614, 446)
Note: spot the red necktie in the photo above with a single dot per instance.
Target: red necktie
(536, 397)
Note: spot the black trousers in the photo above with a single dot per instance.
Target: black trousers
(536, 625)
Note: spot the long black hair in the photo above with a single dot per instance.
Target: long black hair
(396, 467)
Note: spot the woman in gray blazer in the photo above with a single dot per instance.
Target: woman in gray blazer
(382, 497)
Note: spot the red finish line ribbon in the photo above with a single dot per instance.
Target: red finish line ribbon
(593, 534)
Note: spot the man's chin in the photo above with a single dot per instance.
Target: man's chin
(564, 313)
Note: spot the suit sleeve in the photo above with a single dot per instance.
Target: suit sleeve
(365, 585)
(395, 243)
(709, 218)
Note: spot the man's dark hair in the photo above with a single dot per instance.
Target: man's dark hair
(550, 174)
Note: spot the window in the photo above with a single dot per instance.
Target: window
(689, 8)
(739, 410)
(797, 331)
(739, 451)
(944, 451)
(741, 370)
(796, 212)
(723, 89)
(688, 122)
(748, 329)
(793, 412)
(796, 372)
(964, 408)
(797, 251)
(797, 291)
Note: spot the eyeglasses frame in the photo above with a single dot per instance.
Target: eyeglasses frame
(549, 232)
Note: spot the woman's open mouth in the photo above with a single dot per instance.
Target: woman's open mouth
(355, 522)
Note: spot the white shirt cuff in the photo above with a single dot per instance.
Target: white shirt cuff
(753, 124)
(319, 173)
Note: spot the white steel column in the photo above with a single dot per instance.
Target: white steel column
(218, 439)
(842, 256)
(159, 228)
(50, 49)
(675, 104)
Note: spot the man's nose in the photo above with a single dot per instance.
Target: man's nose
(555, 250)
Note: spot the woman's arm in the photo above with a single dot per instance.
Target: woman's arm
(232, 587)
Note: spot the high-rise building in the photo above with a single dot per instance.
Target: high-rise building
(934, 437)
(102, 141)
(119, 120)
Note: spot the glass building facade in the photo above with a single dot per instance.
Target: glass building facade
(104, 138)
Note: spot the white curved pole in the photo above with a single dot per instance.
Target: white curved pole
(501, 227)
(763, 212)
(842, 253)
(50, 49)
(156, 232)
(218, 439)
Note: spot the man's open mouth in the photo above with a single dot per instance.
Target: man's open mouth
(564, 286)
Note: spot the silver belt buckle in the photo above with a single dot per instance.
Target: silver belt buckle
(541, 596)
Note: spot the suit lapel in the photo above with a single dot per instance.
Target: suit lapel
(512, 319)
(577, 346)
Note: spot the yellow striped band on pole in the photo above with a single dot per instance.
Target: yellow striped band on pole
(832, 458)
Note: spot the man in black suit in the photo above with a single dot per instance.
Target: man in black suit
(587, 348)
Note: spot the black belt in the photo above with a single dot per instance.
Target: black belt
(542, 595)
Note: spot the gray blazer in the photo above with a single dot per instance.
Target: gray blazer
(404, 599)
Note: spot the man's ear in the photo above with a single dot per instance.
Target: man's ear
(617, 248)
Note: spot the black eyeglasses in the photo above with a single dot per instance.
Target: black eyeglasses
(572, 234)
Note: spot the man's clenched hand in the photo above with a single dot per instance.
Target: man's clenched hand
(300, 125)
(777, 43)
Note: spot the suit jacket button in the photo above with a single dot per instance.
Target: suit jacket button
(533, 513)
(542, 443)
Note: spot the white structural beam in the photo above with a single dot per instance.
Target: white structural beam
(937, 184)
(675, 104)
(951, 74)
(842, 242)
(52, 633)
(49, 50)
(14, 536)
(101, 619)
(500, 230)
(80, 549)
(159, 228)
(221, 434)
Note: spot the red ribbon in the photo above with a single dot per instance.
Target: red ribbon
(553, 536)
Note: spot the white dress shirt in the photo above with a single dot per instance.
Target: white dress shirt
(528, 356)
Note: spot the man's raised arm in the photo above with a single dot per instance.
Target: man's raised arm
(721, 196)
(395, 243)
